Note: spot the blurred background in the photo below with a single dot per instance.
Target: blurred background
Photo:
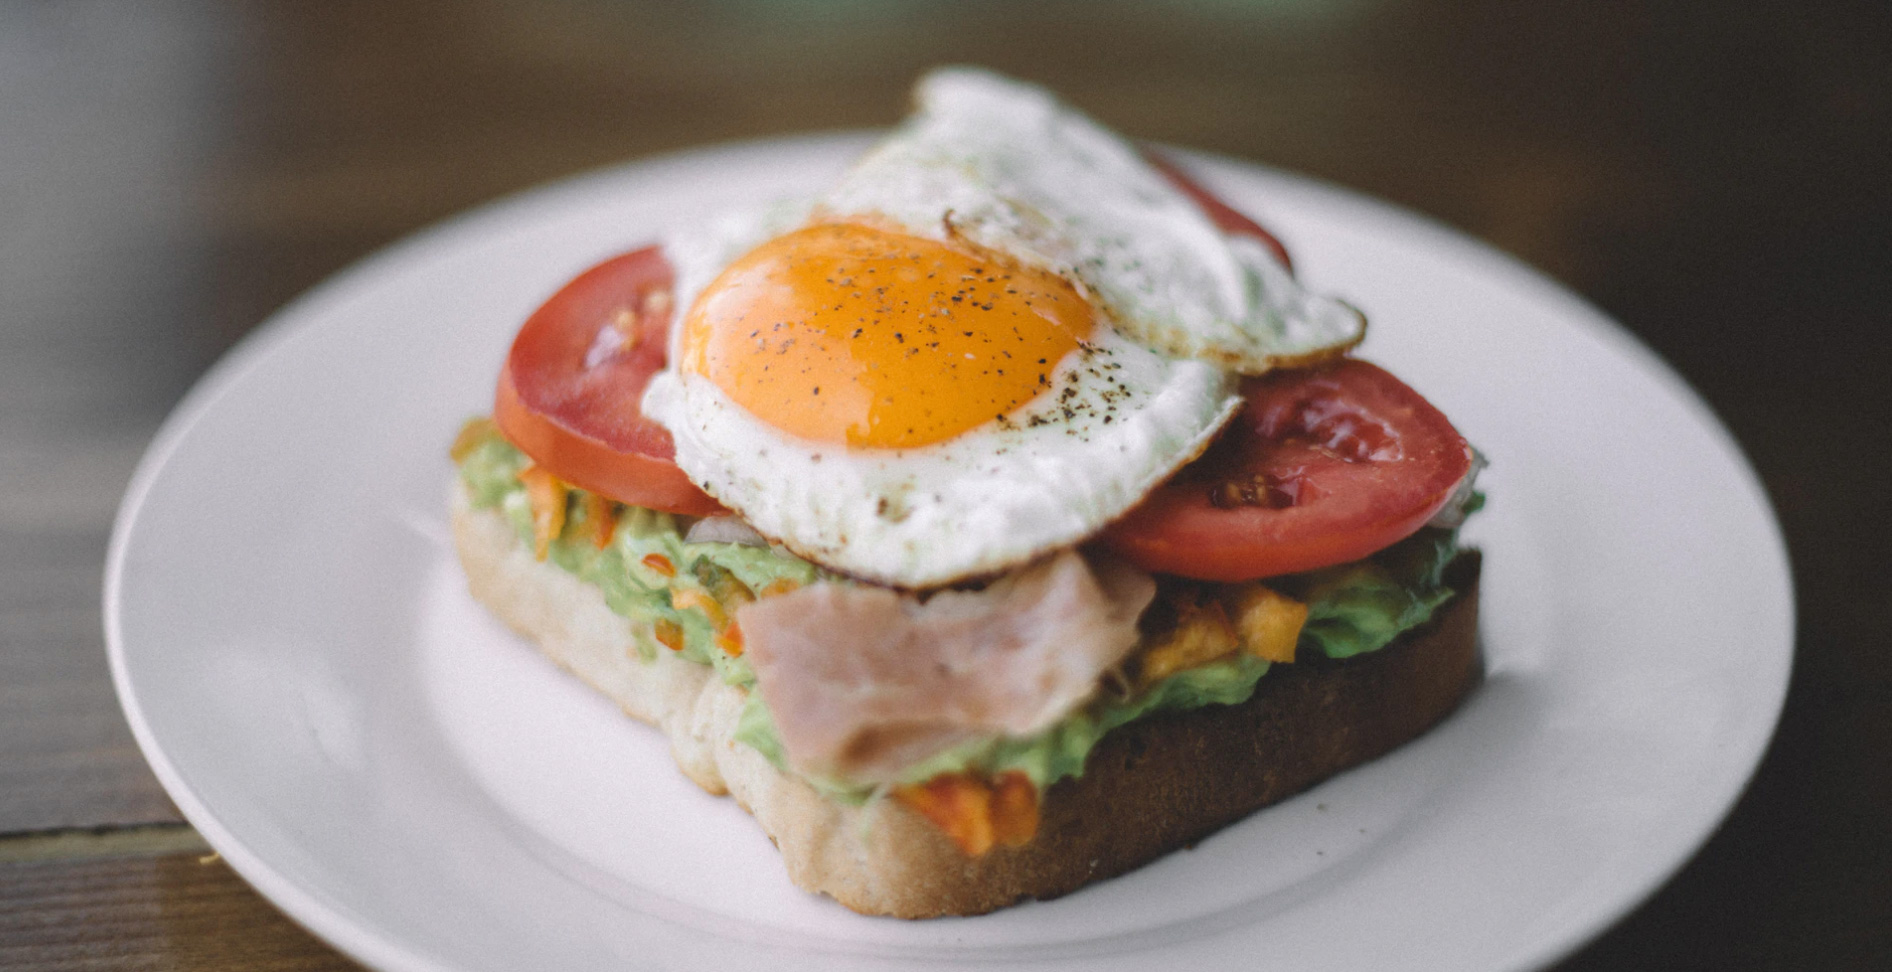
(1718, 177)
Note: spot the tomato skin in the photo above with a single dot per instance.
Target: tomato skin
(591, 465)
(575, 410)
(577, 413)
(1323, 466)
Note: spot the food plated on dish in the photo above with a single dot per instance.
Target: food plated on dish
(404, 762)
(994, 522)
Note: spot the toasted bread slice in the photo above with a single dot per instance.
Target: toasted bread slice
(1149, 787)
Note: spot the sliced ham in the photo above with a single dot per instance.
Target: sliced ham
(864, 681)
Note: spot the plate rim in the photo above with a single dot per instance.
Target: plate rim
(340, 927)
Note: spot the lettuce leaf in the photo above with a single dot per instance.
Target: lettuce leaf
(1352, 609)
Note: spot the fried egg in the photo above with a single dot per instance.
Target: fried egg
(1000, 331)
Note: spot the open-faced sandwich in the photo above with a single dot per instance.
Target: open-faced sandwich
(995, 522)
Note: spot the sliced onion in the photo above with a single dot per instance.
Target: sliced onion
(1452, 515)
(724, 529)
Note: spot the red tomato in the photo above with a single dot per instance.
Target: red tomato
(570, 391)
(1220, 212)
(1323, 466)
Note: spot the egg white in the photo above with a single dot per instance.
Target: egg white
(1182, 309)
(1010, 168)
(1119, 419)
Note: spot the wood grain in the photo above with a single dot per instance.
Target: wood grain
(99, 287)
(171, 911)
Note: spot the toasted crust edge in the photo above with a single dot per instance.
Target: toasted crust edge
(1149, 787)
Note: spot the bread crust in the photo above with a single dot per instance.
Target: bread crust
(1148, 787)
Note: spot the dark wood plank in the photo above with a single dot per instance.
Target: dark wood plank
(174, 911)
(100, 281)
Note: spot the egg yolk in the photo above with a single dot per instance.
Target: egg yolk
(850, 334)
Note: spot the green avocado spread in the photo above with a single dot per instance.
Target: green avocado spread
(648, 567)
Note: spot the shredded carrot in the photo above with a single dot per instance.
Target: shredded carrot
(975, 813)
(958, 804)
(780, 585)
(1269, 622)
(547, 496)
(601, 519)
(472, 434)
(661, 564)
(669, 634)
(728, 634)
(730, 640)
(1014, 809)
(702, 601)
(1203, 633)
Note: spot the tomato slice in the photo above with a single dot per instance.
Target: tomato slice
(1225, 217)
(570, 391)
(569, 395)
(1323, 466)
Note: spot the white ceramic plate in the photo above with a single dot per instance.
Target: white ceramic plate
(300, 661)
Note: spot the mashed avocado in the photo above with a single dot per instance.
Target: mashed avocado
(648, 568)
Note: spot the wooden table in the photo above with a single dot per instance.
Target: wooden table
(171, 172)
